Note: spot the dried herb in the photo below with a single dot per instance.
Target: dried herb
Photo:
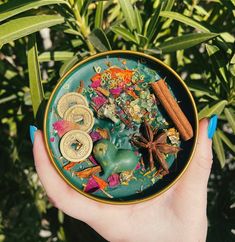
(88, 172)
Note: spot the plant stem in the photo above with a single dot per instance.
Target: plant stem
(84, 29)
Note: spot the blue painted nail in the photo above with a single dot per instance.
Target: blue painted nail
(212, 126)
(32, 130)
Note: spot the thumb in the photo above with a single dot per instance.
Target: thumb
(196, 177)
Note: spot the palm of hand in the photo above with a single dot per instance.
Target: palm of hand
(177, 215)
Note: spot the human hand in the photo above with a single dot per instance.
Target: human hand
(179, 214)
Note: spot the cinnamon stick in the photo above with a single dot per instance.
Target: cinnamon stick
(173, 109)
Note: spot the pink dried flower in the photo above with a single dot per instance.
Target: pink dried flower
(114, 180)
(52, 139)
(99, 101)
(96, 83)
(116, 91)
(91, 185)
(63, 126)
(95, 136)
(137, 166)
(92, 159)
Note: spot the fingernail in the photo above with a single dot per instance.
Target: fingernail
(212, 126)
(32, 130)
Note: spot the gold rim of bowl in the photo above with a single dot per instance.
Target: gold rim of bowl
(140, 55)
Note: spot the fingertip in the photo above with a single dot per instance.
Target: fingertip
(203, 125)
(203, 139)
(196, 177)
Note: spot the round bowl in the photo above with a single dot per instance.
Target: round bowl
(143, 185)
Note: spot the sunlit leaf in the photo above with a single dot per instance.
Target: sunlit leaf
(124, 33)
(35, 84)
(7, 99)
(68, 65)
(55, 56)
(218, 61)
(230, 115)
(184, 19)
(142, 40)
(168, 5)
(26, 25)
(12, 8)
(217, 108)
(60, 216)
(226, 140)
(219, 149)
(129, 13)
(139, 21)
(198, 86)
(185, 41)
(71, 62)
(99, 15)
(152, 27)
(99, 40)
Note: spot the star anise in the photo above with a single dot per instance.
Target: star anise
(156, 144)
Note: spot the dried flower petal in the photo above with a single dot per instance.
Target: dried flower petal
(103, 91)
(114, 180)
(69, 166)
(102, 184)
(91, 185)
(99, 101)
(86, 173)
(95, 136)
(116, 91)
(52, 139)
(92, 159)
(96, 77)
(138, 166)
(103, 133)
(63, 126)
(96, 84)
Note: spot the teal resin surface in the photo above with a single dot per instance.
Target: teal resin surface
(143, 184)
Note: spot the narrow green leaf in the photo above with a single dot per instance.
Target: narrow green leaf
(217, 108)
(139, 21)
(99, 15)
(12, 8)
(27, 25)
(84, 6)
(8, 99)
(152, 27)
(142, 40)
(168, 5)
(232, 61)
(55, 56)
(35, 84)
(218, 61)
(153, 51)
(60, 216)
(185, 41)
(124, 33)
(198, 86)
(227, 37)
(219, 149)
(71, 62)
(129, 13)
(99, 40)
(230, 117)
(185, 20)
(226, 140)
(73, 32)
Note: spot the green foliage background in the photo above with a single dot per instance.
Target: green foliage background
(194, 37)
